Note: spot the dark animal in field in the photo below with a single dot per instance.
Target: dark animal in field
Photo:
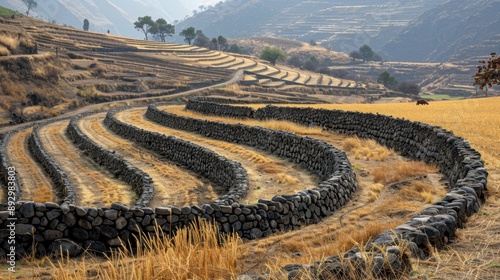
(422, 102)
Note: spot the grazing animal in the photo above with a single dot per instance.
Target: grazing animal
(422, 102)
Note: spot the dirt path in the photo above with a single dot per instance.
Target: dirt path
(94, 186)
(36, 185)
(173, 185)
(268, 174)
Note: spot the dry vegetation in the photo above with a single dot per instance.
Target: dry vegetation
(268, 174)
(90, 181)
(36, 185)
(173, 185)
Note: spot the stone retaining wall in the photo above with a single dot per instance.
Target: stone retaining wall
(211, 108)
(138, 179)
(226, 173)
(98, 229)
(436, 224)
(60, 181)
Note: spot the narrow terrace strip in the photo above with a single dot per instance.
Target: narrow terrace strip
(94, 186)
(36, 185)
(173, 185)
(268, 174)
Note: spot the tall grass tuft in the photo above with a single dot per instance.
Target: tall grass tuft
(195, 252)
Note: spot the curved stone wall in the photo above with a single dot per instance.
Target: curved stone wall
(102, 228)
(211, 108)
(60, 181)
(138, 179)
(317, 156)
(226, 173)
(436, 224)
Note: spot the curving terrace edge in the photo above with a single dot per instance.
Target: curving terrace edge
(98, 229)
(436, 225)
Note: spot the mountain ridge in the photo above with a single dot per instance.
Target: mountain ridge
(456, 30)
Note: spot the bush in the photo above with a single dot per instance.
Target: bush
(408, 88)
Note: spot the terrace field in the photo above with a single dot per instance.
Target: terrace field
(85, 68)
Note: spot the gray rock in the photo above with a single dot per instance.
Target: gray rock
(120, 223)
(111, 214)
(27, 210)
(25, 230)
(65, 247)
(52, 234)
(52, 214)
(80, 212)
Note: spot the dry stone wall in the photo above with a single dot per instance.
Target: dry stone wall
(76, 228)
(226, 173)
(60, 181)
(435, 225)
(116, 165)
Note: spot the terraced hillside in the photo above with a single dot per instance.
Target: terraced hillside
(88, 67)
(295, 179)
(264, 172)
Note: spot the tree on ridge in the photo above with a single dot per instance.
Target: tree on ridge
(189, 34)
(145, 24)
(272, 54)
(31, 5)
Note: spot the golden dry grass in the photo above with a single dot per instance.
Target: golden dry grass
(36, 184)
(265, 171)
(394, 172)
(366, 149)
(271, 124)
(173, 185)
(473, 256)
(190, 254)
(94, 186)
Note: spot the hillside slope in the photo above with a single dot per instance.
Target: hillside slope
(456, 30)
(114, 15)
(345, 25)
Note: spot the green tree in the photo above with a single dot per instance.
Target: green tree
(146, 25)
(201, 40)
(408, 88)
(387, 80)
(356, 55)
(31, 5)
(189, 34)
(365, 53)
(488, 74)
(272, 55)
(162, 29)
(86, 24)
(234, 48)
(311, 64)
(222, 43)
(313, 43)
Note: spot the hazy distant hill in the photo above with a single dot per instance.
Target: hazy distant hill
(346, 24)
(116, 15)
(456, 30)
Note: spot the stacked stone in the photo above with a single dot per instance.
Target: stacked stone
(330, 164)
(226, 173)
(216, 109)
(5, 162)
(461, 165)
(140, 181)
(60, 180)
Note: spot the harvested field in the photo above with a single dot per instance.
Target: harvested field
(36, 185)
(173, 185)
(94, 186)
(268, 175)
